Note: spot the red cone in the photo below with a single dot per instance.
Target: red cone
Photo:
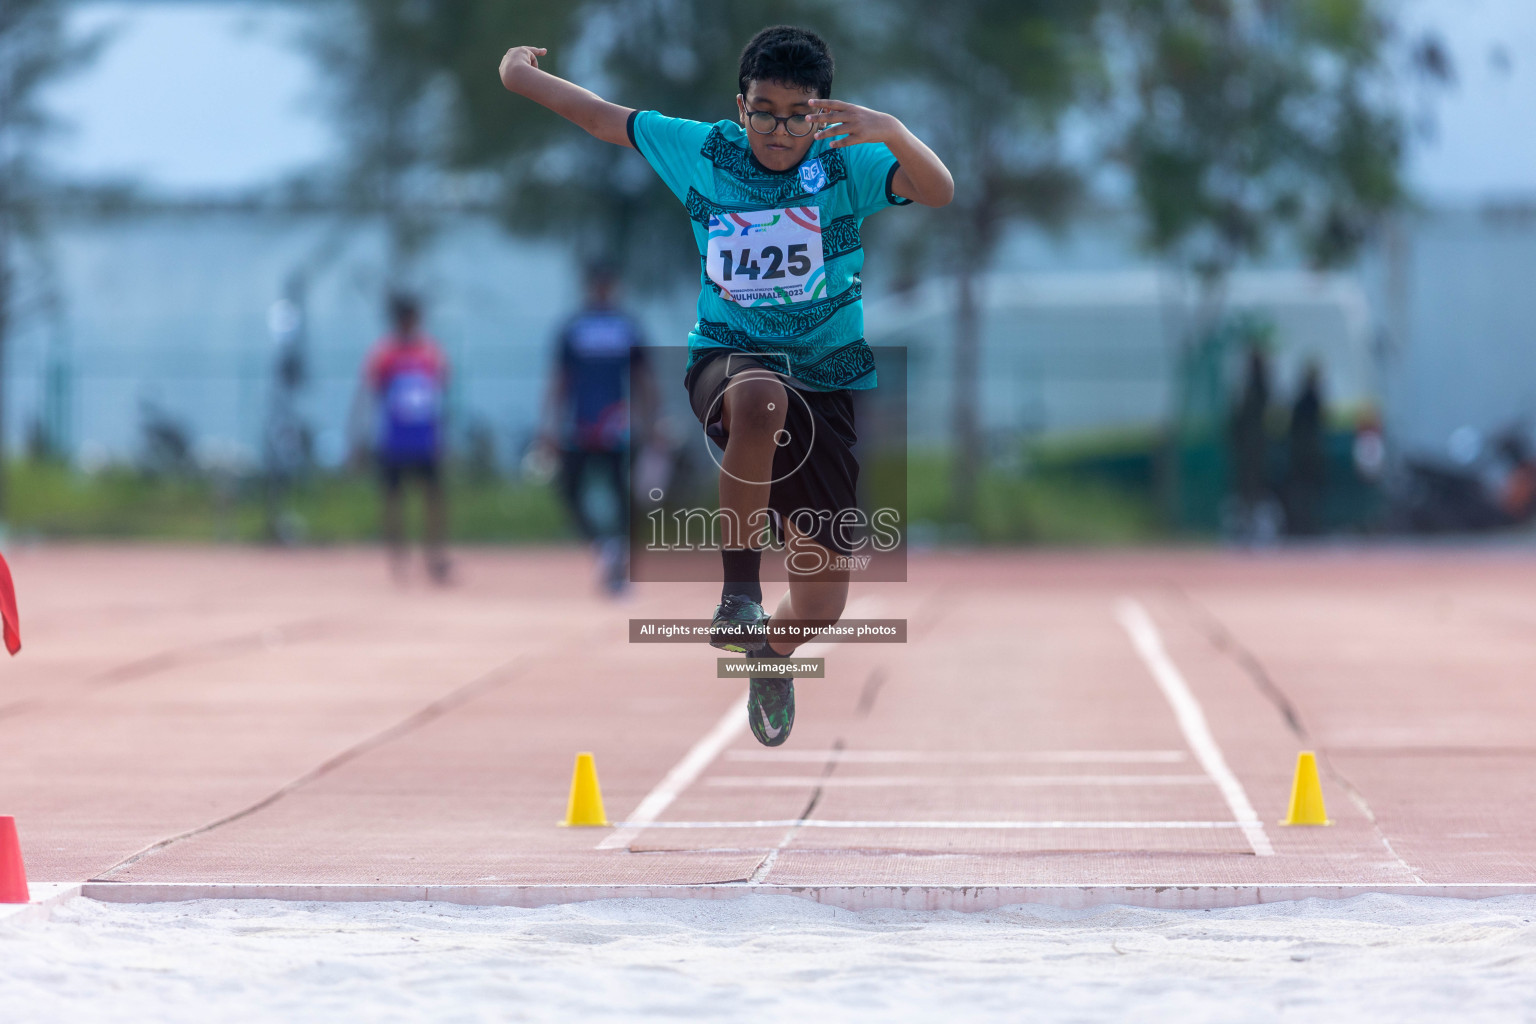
(13, 876)
(8, 609)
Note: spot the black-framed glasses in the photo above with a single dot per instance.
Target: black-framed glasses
(764, 123)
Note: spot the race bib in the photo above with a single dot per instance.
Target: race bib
(413, 398)
(768, 257)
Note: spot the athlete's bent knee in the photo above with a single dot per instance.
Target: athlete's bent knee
(756, 406)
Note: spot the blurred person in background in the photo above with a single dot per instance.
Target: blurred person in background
(598, 354)
(1307, 466)
(404, 382)
(1517, 489)
(1250, 447)
(287, 443)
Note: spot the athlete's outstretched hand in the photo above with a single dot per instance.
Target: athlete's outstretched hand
(520, 73)
(519, 57)
(849, 124)
(920, 175)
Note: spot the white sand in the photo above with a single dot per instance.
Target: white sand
(1373, 958)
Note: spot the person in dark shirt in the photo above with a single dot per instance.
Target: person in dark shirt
(598, 353)
(1306, 472)
(1250, 442)
(406, 377)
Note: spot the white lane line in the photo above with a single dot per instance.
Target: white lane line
(826, 823)
(704, 752)
(1197, 733)
(856, 781)
(680, 777)
(963, 756)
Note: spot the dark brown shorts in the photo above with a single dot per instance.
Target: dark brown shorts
(394, 472)
(815, 473)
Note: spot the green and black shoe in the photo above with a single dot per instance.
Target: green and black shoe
(771, 705)
(737, 614)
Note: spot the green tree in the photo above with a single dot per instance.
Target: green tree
(1250, 119)
(1252, 122)
(416, 99)
(997, 78)
(34, 50)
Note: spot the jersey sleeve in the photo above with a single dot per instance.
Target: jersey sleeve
(376, 367)
(871, 166)
(670, 145)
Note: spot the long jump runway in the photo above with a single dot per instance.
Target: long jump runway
(1072, 728)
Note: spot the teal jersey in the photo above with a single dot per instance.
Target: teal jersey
(779, 251)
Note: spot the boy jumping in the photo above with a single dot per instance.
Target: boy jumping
(776, 199)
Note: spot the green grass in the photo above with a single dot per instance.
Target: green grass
(52, 501)
(48, 500)
(1048, 506)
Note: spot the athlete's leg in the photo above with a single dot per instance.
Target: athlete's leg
(615, 544)
(752, 411)
(394, 515)
(815, 599)
(573, 486)
(817, 593)
(752, 414)
(436, 503)
(608, 470)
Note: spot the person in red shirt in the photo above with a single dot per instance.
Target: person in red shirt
(405, 379)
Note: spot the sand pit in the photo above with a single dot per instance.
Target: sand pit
(1371, 958)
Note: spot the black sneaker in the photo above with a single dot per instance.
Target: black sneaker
(771, 705)
(739, 613)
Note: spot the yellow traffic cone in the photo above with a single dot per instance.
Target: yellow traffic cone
(586, 803)
(1306, 794)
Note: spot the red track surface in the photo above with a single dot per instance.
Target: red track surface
(294, 718)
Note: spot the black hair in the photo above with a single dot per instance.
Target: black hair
(790, 56)
(403, 307)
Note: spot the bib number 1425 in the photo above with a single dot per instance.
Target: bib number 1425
(772, 266)
(767, 257)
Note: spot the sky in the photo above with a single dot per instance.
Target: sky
(191, 96)
(213, 96)
(1484, 145)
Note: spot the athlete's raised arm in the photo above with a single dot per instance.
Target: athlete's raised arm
(922, 177)
(520, 74)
